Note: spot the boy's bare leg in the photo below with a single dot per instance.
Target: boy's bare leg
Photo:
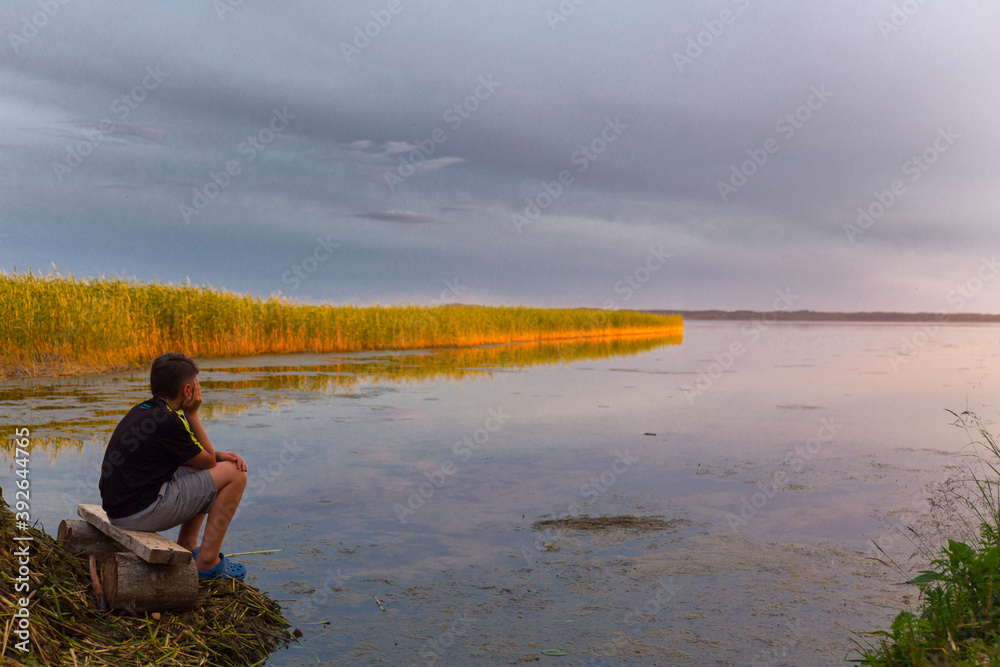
(188, 535)
(230, 481)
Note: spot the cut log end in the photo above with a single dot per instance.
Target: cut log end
(135, 586)
(82, 539)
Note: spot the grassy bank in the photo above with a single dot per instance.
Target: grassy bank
(55, 324)
(958, 620)
(231, 624)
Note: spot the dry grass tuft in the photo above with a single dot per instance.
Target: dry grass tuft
(232, 623)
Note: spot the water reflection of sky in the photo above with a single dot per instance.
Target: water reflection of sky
(338, 447)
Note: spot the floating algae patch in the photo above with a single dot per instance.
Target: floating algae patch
(231, 624)
(606, 523)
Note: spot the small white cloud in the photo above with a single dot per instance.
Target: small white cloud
(397, 216)
(361, 156)
(437, 163)
(395, 147)
(147, 132)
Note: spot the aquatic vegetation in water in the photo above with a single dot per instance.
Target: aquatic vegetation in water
(51, 321)
(958, 621)
(593, 523)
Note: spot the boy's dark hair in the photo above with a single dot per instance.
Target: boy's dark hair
(170, 372)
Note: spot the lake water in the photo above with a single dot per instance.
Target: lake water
(773, 453)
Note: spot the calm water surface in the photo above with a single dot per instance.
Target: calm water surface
(776, 453)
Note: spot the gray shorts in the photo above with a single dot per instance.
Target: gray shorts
(187, 494)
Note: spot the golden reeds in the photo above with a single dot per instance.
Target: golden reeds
(53, 323)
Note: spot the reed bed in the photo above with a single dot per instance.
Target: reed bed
(55, 324)
(231, 624)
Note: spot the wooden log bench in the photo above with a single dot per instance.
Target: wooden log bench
(141, 571)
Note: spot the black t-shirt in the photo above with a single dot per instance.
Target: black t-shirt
(148, 446)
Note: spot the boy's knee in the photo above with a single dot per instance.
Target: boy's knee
(226, 473)
(235, 475)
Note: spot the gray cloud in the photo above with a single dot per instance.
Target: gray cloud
(475, 111)
(408, 217)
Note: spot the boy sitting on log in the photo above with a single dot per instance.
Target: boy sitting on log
(160, 469)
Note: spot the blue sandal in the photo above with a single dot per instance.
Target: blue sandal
(194, 553)
(225, 569)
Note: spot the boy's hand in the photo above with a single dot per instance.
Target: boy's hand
(192, 399)
(234, 457)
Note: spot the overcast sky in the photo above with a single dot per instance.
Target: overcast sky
(612, 154)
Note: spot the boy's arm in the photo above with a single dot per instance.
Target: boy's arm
(208, 456)
(194, 421)
(192, 401)
(190, 406)
(202, 461)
